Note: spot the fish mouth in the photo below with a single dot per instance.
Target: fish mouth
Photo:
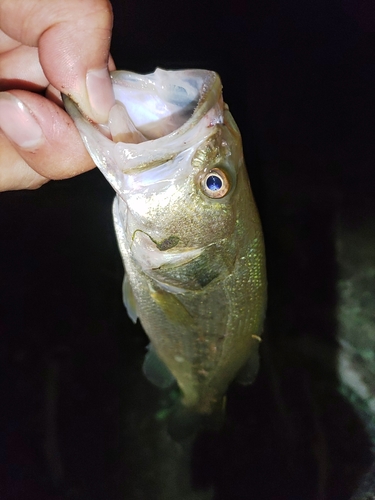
(155, 117)
(156, 104)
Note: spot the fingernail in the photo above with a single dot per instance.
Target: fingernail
(100, 92)
(18, 124)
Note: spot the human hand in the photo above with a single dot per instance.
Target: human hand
(48, 47)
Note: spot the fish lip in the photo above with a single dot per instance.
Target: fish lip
(210, 94)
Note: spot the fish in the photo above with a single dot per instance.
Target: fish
(187, 228)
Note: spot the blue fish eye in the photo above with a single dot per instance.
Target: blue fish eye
(215, 183)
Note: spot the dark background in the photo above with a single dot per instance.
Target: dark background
(77, 416)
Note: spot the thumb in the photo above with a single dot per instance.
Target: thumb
(73, 38)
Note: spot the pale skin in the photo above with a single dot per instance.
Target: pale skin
(48, 47)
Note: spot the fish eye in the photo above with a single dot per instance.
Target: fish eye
(215, 183)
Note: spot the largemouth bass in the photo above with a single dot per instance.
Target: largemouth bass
(187, 228)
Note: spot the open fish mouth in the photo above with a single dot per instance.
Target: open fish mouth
(155, 117)
(155, 104)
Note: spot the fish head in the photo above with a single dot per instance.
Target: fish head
(187, 199)
(172, 152)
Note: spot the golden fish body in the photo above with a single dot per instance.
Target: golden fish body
(187, 227)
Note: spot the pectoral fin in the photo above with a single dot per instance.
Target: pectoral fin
(173, 308)
(156, 371)
(129, 300)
